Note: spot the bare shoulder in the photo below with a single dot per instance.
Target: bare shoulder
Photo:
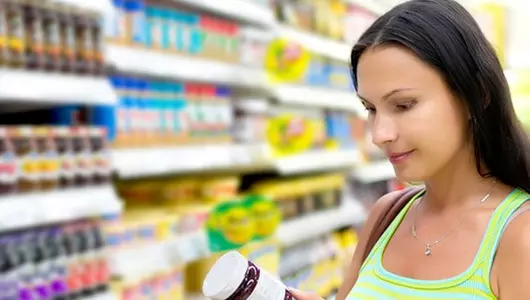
(512, 262)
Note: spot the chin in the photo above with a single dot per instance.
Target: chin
(410, 175)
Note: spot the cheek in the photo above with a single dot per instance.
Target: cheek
(438, 129)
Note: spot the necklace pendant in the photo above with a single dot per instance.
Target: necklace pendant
(428, 250)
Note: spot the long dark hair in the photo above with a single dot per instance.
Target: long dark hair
(444, 35)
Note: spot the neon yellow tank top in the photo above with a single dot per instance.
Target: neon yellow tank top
(376, 283)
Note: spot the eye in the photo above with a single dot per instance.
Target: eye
(369, 108)
(405, 106)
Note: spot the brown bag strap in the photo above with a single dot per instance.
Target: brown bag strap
(388, 215)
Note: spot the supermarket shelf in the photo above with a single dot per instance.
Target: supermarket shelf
(369, 5)
(24, 86)
(130, 163)
(156, 63)
(319, 97)
(317, 161)
(21, 211)
(317, 44)
(163, 255)
(169, 160)
(374, 172)
(239, 10)
(320, 223)
(101, 6)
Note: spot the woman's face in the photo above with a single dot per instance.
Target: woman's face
(413, 116)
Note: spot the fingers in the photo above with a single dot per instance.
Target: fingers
(300, 295)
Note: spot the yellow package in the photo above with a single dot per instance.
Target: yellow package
(176, 192)
(219, 189)
(138, 193)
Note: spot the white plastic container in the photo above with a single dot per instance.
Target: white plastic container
(233, 277)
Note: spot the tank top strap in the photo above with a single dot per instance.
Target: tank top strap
(498, 222)
(389, 232)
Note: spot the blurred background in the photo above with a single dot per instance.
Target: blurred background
(141, 139)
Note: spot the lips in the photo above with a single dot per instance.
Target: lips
(396, 158)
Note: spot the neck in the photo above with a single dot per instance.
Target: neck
(457, 185)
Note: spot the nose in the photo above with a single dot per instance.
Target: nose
(383, 129)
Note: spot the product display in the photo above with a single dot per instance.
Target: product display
(325, 72)
(178, 31)
(173, 229)
(298, 197)
(168, 285)
(51, 36)
(58, 262)
(44, 158)
(155, 113)
(336, 19)
(250, 120)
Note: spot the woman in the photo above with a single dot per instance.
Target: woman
(440, 108)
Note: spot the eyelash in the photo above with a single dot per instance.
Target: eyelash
(402, 107)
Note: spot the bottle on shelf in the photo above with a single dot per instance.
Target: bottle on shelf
(57, 263)
(68, 37)
(81, 152)
(4, 34)
(48, 158)
(63, 142)
(52, 36)
(84, 48)
(100, 155)
(135, 22)
(34, 34)
(25, 153)
(8, 163)
(15, 33)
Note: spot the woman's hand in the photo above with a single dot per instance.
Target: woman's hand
(299, 295)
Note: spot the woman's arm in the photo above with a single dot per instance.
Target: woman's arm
(511, 268)
(357, 261)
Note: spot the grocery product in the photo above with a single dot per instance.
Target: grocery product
(167, 285)
(254, 45)
(176, 30)
(218, 189)
(234, 277)
(154, 112)
(356, 21)
(56, 262)
(297, 197)
(135, 21)
(338, 127)
(8, 164)
(50, 35)
(250, 120)
(179, 192)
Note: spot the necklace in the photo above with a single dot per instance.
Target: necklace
(429, 245)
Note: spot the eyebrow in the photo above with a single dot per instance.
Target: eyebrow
(389, 94)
